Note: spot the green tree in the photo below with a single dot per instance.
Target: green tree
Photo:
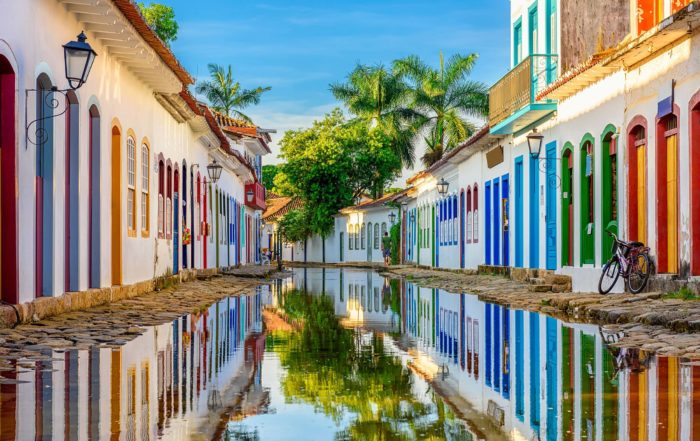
(379, 100)
(226, 95)
(161, 19)
(330, 164)
(294, 226)
(268, 176)
(445, 98)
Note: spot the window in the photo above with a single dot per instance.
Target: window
(532, 23)
(455, 223)
(131, 186)
(376, 237)
(369, 236)
(351, 239)
(384, 230)
(161, 199)
(145, 183)
(475, 216)
(469, 215)
(517, 42)
(357, 236)
(362, 236)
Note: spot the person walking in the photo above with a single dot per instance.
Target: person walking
(386, 248)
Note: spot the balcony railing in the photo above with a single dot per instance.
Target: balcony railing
(255, 196)
(521, 86)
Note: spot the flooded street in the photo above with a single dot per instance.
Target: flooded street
(362, 362)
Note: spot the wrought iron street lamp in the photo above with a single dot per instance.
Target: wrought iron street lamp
(442, 187)
(534, 143)
(78, 57)
(214, 171)
(392, 217)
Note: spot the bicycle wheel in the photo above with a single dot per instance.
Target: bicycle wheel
(639, 273)
(611, 272)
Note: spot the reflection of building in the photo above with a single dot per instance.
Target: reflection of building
(156, 385)
(545, 378)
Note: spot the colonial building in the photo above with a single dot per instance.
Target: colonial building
(111, 183)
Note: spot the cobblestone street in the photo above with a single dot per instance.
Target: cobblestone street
(115, 324)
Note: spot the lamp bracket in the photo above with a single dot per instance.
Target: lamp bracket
(51, 101)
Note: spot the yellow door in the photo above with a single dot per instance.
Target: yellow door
(641, 194)
(642, 406)
(672, 202)
(673, 397)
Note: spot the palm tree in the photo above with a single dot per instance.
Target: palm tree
(379, 100)
(445, 99)
(225, 94)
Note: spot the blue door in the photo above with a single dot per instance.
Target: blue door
(438, 229)
(176, 233)
(519, 211)
(534, 371)
(534, 212)
(461, 229)
(487, 222)
(496, 208)
(487, 334)
(496, 347)
(505, 348)
(519, 365)
(551, 208)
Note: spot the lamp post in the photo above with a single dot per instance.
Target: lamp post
(78, 58)
(214, 171)
(442, 187)
(392, 217)
(534, 143)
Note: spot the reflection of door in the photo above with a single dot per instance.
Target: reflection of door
(551, 207)
(551, 376)
(519, 212)
(505, 209)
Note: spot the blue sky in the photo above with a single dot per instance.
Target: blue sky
(300, 47)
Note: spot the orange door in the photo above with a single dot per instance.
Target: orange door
(641, 193)
(672, 202)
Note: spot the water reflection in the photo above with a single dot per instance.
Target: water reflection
(534, 376)
(162, 385)
(352, 364)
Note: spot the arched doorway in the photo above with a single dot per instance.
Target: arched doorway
(8, 184)
(694, 124)
(586, 203)
(667, 193)
(44, 188)
(116, 206)
(94, 199)
(185, 199)
(609, 200)
(567, 206)
(72, 201)
(637, 180)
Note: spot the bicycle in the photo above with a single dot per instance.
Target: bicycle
(629, 260)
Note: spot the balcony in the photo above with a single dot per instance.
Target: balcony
(513, 103)
(255, 196)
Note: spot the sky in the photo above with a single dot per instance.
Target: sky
(300, 47)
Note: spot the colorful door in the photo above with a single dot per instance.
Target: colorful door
(9, 278)
(567, 207)
(497, 227)
(439, 230)
(519, 212)
(487, 223)
(672, 202)
(369, 241)
(534, 209)
(94, 199)
(551, 206)
(505, 210)
(534, 371)
(116, 208)
(461, 229)
(176, 230)
(609, 199)
(641, 195)
(587, 203)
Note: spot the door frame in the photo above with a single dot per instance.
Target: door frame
(519, 220)
(551, 206)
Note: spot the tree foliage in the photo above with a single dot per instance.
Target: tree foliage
(330, 164)
(161, 19)
(226, 95)
(379, 100)
(294, 226)
(445, 98)
(268, 176)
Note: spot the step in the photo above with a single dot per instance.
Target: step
(537, 281)
(539, 288)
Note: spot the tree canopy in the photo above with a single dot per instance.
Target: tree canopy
(332, 163)
(161, 19)
(226, 95)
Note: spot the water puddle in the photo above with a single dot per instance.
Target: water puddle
(287, 362)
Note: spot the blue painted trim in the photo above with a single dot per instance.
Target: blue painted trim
(552, 374)
(505, 187)
(496, 209)
(505, 387)
(487, 332)
(519, 365)
(487, 222)
(505, 127)
(534, 370)
(534, 212)
(496, 347)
